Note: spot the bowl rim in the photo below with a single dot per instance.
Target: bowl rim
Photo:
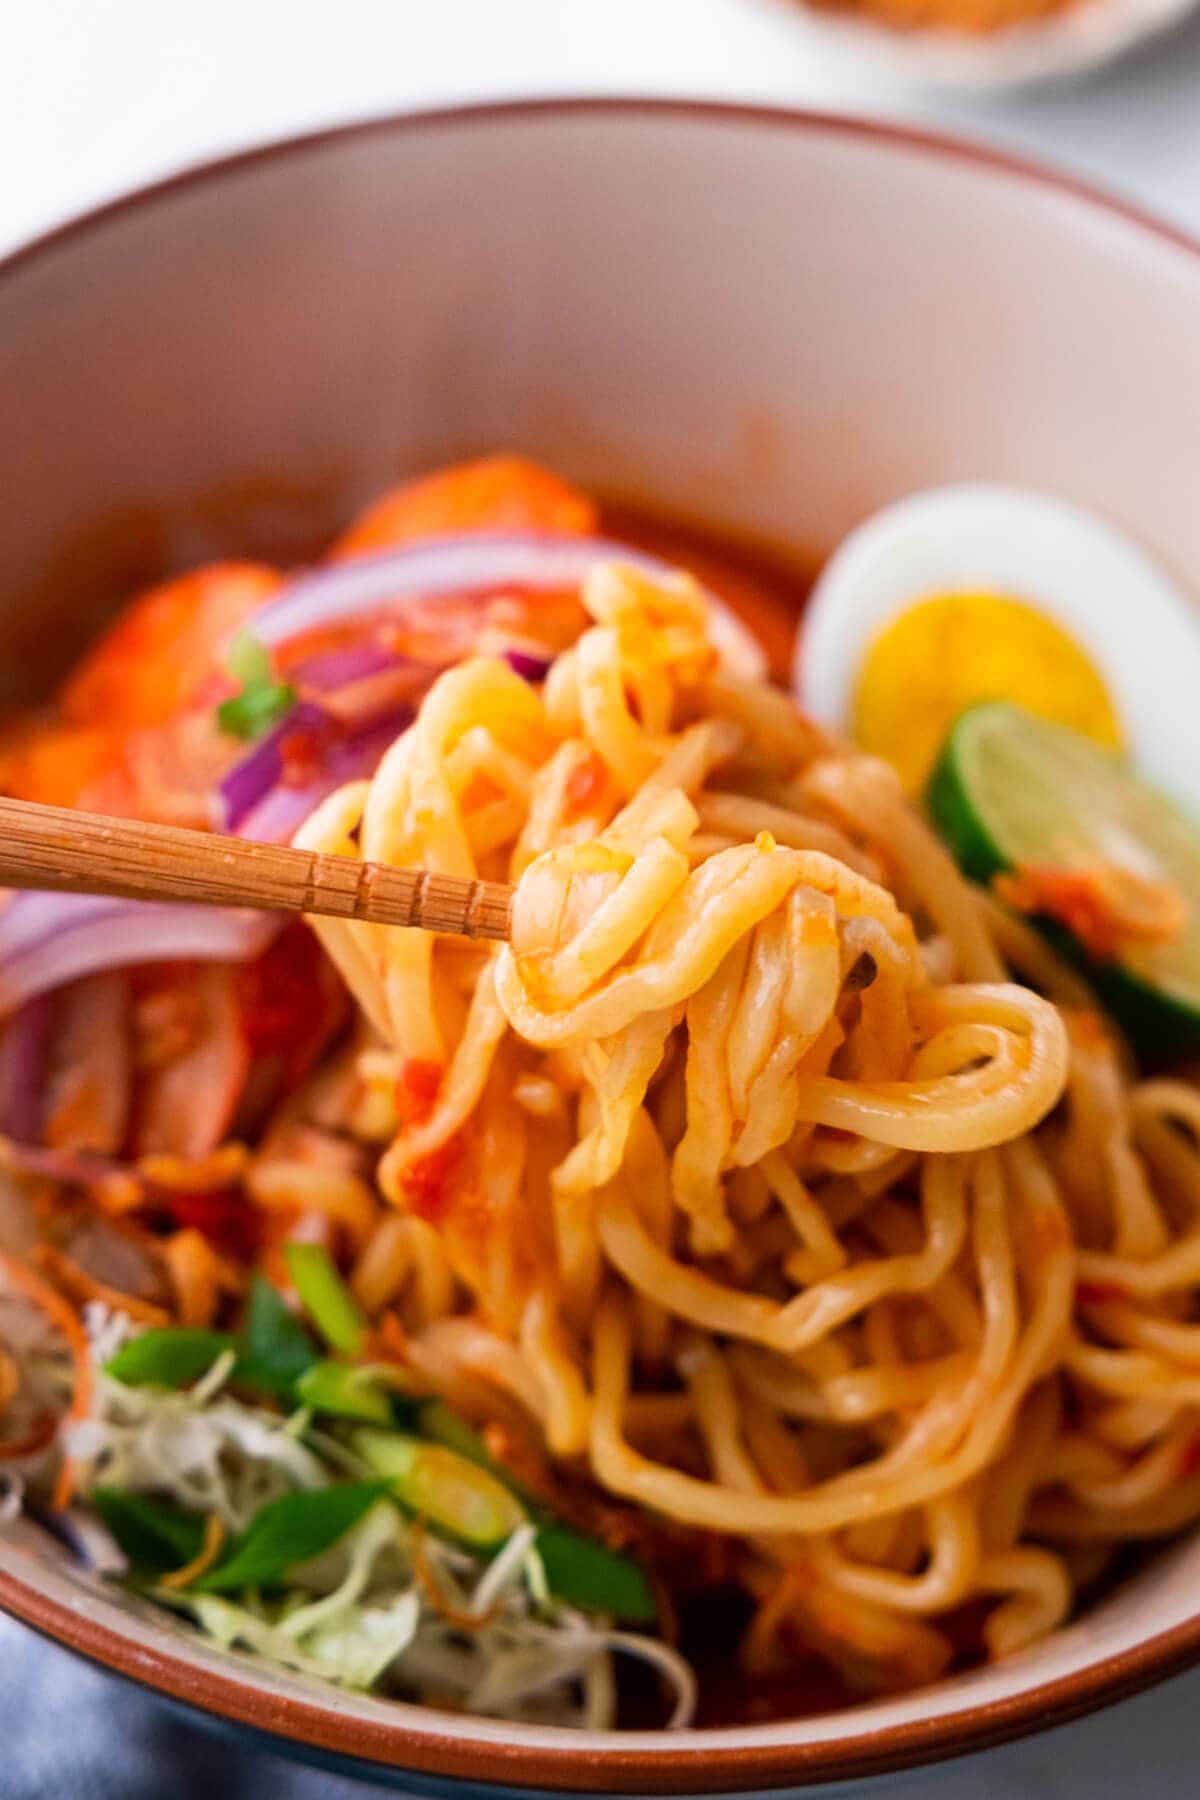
(693, 1763)
(939, 145)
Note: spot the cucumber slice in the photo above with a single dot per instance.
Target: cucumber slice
(456, 1497)
(1010, 789)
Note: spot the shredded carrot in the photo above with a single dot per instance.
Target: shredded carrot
(427, 1581)
(28, 1282)
(64, 1486)
(81, 1286)
(214, 1538)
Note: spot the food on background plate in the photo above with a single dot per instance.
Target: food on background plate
(967, 17)
(776, 1265)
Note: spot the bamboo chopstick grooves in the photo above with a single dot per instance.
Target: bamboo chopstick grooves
(56, 848)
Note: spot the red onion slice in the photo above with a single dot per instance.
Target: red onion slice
(477, 562)
(286, 807)
(24, 1063)
(252, 800)
(528, 664)
(46, 939)
(330, 670)
(250, 780)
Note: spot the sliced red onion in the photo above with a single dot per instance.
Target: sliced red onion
(334, 669)
(24, 1062)
(476, 562)
(278, 814)
(250, 780)
(528, 664)
(253, 799)
(46, 939)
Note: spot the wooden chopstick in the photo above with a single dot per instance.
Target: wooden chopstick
(87, 853)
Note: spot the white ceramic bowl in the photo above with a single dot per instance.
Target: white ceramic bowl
(774, 321)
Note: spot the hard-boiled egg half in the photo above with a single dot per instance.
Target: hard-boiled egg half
(988, 592)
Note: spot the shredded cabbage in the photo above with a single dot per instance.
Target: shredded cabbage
(213, 1455)
(339, 1636)
(428, 1622)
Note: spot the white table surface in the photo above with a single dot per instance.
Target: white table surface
(101, 95)
(97, 96)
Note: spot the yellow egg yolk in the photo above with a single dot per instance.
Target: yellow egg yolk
(952, 650)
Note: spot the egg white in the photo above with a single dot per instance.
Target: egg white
(1140, 632)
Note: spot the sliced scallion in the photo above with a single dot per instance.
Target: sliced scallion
(326, 1298)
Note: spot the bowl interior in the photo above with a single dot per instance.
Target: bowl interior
(773, 323)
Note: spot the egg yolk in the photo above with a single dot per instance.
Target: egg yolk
(951, 651)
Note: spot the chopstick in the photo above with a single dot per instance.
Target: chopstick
(54, 847)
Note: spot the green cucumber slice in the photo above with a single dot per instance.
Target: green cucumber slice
(1010, 789)
(457, 1497)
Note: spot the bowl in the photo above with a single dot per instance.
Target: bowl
(772, 321)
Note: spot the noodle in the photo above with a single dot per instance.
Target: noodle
(674, 1011)
(747, 1179)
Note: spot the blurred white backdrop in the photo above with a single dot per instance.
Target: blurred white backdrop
(101, 95)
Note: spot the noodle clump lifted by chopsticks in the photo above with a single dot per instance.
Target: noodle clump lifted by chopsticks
(730, 1149)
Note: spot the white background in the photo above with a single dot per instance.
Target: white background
(97, 96)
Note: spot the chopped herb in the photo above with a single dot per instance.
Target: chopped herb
(289, 1532)
(326, 1298)
(263, 699)
(154, 1536)
(274, 1350)
(170, 1356)
(589, 1575)
(346, 1393)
